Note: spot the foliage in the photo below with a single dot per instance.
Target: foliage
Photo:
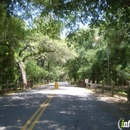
(33, 71)
(49, 26)
(106, 58)
(11, 32)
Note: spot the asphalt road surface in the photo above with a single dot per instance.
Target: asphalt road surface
(67, 108)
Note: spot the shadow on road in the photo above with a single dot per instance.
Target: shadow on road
(68, 110)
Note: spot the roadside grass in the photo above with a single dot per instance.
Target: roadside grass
(122, 93)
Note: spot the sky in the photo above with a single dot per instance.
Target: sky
(65, 32)
(30, 13)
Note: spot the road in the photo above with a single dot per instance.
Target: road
(68, 108)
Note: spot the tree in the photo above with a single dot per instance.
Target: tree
(10, 35)
(20, 44)
(34, 72)
(117, 43)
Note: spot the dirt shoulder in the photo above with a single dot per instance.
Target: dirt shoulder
(118, 101)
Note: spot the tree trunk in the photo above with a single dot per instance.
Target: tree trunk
(24, 79)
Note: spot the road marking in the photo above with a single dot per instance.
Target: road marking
(36, 116)
(40, 114)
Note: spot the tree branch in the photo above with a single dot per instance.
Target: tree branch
(42, 56)
(20, 52)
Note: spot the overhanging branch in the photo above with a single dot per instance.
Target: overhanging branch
(20, 52)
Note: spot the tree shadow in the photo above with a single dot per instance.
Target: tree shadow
(66, 111)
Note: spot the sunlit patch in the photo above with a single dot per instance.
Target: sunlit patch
(111, 99)
(67, 112)
(3, 128)
(64, 91)
(17, 97)
(18, 120)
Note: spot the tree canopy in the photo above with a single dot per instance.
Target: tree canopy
(31, 31)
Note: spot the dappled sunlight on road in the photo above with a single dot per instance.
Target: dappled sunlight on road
(110, 99)
(71, 108)
(70, 112)
(63, 90)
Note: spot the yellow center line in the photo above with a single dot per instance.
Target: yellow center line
(40, 114)
(43, 105)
